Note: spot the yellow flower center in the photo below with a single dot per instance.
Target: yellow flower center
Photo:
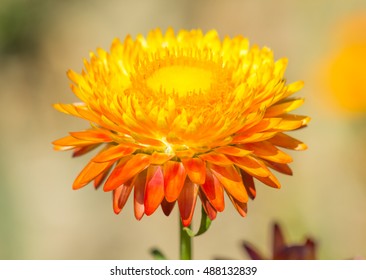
(188, 97)
(181, 80)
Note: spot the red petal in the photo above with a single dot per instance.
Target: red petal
(241, 207)
(174, 178)
(90, 171)
(232, 181)
(187, 201)
(154, 189)
(139, 195)
(196, 169)
(120, 196)
(167, 206)
(213, 190)
(248, 184)
(209, 209)
(127, 168)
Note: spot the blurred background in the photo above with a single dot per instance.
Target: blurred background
(41, 217)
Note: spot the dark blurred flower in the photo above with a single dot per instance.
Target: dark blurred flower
(283, 251)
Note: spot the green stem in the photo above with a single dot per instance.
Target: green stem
(185, 244)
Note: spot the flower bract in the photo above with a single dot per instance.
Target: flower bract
(180, 117)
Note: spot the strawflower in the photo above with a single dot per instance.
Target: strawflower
(183, 116)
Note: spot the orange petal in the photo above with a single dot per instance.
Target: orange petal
(251, 166)
(232, 151)
(139, 195)
(285, 141)
(255, 137)
(79, 151)
(69, 109)
(89, 115)
(271, 181)
(120, 196)
(284, 107)
(187, 201)
(69, 142)
(93, 135)
(209, 209)
(196, 169)
(127, 168)
(167, 206)
(185, 153)
(269, 152)
(282, 168)
(147, 140)
(101, 177)
(154, 189)
(114, 152)
(215, 158)
(160, 158)
(291, 89)
(213, 190)
(90, 171)
(291, 122)
(248, 184)
(231, 180)
(241, 207)
(174, 178)
(262, 125)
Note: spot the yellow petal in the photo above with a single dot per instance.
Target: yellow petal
(283, 107)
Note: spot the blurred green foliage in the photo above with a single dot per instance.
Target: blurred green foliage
(21, 26)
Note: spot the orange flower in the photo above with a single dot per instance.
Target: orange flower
(181, 116)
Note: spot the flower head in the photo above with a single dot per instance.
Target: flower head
(180, 117)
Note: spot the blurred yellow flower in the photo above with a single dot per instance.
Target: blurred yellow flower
(346, 73)
(182, 116)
